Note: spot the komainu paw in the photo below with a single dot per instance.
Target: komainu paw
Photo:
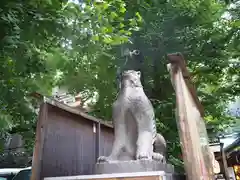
(103, 159)
(158, 157)
(143, 156)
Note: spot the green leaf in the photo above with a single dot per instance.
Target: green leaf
(139, 17)
(113, 15)
(95, 38)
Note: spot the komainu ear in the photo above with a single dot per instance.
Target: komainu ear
(139, 73)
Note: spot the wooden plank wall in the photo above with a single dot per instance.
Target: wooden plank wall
(68, 143)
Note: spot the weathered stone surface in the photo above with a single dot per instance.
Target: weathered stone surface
(135, 132)
(132, 166)
(148, 175)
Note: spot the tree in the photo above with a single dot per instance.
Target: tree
(39, 39)
(26, 35)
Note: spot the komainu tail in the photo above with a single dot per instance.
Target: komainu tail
(159, 148)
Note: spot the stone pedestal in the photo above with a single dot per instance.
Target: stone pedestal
(156, 175)
(132, 166)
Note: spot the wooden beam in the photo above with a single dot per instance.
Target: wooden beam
(189, 116)
(178, 61)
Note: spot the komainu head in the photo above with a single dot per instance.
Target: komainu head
(131, 78)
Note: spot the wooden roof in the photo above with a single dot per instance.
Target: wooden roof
(76, 111)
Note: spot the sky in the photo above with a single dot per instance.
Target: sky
(227, 141)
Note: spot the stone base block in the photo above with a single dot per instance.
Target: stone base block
(132, 166)
(156, 175)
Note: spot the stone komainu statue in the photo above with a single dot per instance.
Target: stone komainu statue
(134, 124)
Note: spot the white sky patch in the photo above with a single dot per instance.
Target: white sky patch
(227, 141)
(74, 1)
(58, 74)
(234, 107)
(227, 15)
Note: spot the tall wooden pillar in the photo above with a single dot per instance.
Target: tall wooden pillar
(191, 127)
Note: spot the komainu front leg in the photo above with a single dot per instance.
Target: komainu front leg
(144, 118)
(144, 146)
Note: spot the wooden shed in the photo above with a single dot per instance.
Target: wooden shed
(68, 141)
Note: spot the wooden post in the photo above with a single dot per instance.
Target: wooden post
(98, 141)
(225, 166)
(38, 149)
(189, 115)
